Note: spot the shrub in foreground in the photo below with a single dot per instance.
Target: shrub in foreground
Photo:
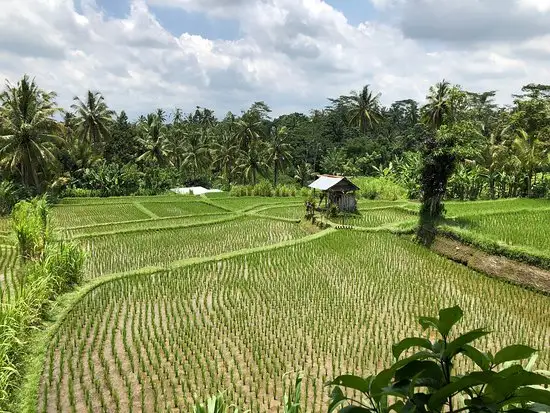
(425, 381)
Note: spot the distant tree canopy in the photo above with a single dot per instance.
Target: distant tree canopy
(500, 151)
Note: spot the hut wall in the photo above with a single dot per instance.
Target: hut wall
(347, 203)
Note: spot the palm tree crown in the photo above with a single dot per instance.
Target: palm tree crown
(92, 118)
(438, 106)
(154, 140)
(278, 151)
(28, 137)
(363, 108)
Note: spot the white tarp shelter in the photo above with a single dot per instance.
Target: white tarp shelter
(195, 190)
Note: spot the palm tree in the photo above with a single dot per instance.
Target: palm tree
(154, 141)
(492, 156)
(29, 130)
(195, 155)
(530, 151)
(248, 131)
(439, 105)
(303, 173)
(92, 118)
(363, 108)
(224, 154)
(279, 151)
(175, 144)
(252, 162)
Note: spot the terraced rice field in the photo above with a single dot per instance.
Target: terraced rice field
(498, 206)
(120, 252)
(154, 341)
(173, 209)
(9, 276)
(523, 228)
(249, 203)
(183, 322)
(77, 215)
(371, 218)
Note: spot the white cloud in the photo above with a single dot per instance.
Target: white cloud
(292, 54)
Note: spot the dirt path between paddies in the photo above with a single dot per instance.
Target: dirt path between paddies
(493, 265)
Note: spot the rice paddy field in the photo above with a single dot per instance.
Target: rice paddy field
(192, 296)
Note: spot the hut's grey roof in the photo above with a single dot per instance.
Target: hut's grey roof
(326, 182)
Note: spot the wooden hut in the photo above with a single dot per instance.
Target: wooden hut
(337, 190)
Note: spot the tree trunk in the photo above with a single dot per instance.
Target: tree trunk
(275, 172)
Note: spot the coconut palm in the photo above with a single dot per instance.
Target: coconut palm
(248, 131)
(154, 140)
(252, 162)
(224, 154)
(303, 173)
(279, 155)
(530, 151)
(492, 156)
(438, 106)
(195, 153)
(92, 118)
(29, 131)
(363, 108)
(175, 144)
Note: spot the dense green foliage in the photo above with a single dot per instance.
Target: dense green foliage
(502, 151)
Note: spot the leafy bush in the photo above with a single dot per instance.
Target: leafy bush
(424, 381)
(49, 269)
(79, 193)
(379, 188)
(30, 220)
(9, 195)
(264, 188)
(64, 263)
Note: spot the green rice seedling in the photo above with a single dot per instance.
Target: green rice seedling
(522, 228)
(454, 208)
(371, 218)
(322, 307)
(250, 203)
(77, 215)
(172, 209)
(120, 253)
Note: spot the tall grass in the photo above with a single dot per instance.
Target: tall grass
(49, 268)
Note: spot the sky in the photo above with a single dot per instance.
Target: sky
(292, 54)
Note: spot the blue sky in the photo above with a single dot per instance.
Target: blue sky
(178, 21)
(293, 54)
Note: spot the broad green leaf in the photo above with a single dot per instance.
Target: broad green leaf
(515, 352)
(380, 381)
(409, 342)
(337, 397)
(480, 359)
(352, 382)
(448, 317)
(508, 381)
(472, 379)
(427, 322)
(399, 389)
(355, 409)
(421, 369)
(534, 395)
(455, 346)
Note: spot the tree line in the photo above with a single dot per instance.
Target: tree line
(501, 151)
